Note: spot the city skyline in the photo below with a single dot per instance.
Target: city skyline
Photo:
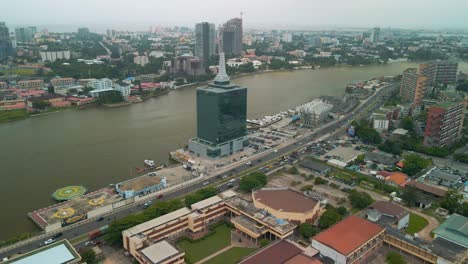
(302, 15)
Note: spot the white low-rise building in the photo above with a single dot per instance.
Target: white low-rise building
(55, 55)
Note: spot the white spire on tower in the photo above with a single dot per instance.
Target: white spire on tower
(222, 77)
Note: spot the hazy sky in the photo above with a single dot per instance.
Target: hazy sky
(121, 14)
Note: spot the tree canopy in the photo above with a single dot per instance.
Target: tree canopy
(329, 218)
(199, 195)
(253, 180)
(414, 163)
(360, 200)
(307, 230)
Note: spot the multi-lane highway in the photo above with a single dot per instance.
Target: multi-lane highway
(82, 228)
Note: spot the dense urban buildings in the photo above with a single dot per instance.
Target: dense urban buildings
(205, 42)
(25, 34)
(230, 36)
(444, 125)
(6, 48)
(413, 86)
(439, 71)
(221, 117)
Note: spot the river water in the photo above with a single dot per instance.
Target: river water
(98, 146)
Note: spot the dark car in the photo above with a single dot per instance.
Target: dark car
(57, 235)
(100, 219)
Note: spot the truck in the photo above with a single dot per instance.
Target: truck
(98, 232)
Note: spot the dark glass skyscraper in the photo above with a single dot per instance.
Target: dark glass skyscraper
(221, 117)
(205, 42)
(6, 48)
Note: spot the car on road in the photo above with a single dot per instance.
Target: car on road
(160, 196)
(100, 219)
(147, 204)
(57, 235)
(88, 243)
(248, 163)
(152, 174)
(49, 241)
(206, 183)
(275, 151)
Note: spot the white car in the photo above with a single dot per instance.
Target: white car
(49, 241)
(88, 243)
(206, 183)
(248, 163)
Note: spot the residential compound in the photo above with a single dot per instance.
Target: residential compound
(444, 125)
(221, 117)
(55, 55)
(249, 220)
(419, 83)
(413, 86)
(31, 84)
(439, 71)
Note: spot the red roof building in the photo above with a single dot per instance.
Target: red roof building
(281, 252)
(351, 240)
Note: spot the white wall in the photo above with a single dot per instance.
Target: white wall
(329, 252)
(403, 222)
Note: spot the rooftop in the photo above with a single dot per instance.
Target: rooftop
(314, 165)
(381, 158)
(160, 251)
(277, 253)
(158, 221)
(348, 234)
(448, 250)
(285, 200)
(454, 229)
(279, 225)
(399, 178)
(61, 252)
(427, 188)
(206, 203)
(389, 208)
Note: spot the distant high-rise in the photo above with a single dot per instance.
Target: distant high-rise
(205, 42)
(413, 86)
(6, 48)
(444, 125)
(230, 35)
(440, 71)
(375, 35)
(83, 32)
(221, 117)
(25, 34)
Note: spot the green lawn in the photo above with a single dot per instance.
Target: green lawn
(231, 256)
(416, 224)
(205, 246)
(6, 116)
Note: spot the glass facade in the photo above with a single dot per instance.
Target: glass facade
(221, 113)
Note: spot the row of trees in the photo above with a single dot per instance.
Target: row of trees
(200, 195)
(114, 234)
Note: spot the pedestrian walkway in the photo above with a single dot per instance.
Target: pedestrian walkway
(215, 254)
